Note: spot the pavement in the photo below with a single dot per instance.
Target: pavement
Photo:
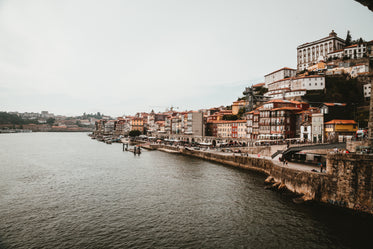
(276, 161)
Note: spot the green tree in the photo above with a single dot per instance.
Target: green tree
(50, 121)
(209, 130)
(348, 38)
(241, 112)
(134, 133)
(6, 118)
(230, 117)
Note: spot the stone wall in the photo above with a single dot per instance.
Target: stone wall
(351, 145)
(351, 181)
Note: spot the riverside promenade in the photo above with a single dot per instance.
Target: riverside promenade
(346, 183)
(275, 160)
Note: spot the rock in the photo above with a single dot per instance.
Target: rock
(276, 184)
(282, 187)
(269, 180)
(298, 200)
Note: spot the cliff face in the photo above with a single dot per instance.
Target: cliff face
(368, 3)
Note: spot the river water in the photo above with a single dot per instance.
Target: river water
(65, 190)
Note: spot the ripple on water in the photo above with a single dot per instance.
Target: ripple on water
(68, 191)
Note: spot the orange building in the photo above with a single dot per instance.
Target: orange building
(137, 124)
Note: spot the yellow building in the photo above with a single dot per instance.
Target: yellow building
(337, 129)
(237, 105)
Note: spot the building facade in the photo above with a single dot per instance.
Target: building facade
(291, 88)
(310, 53)
(338, 130)
(317, 127)
(277, 75)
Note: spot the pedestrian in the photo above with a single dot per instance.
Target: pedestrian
(320, 165)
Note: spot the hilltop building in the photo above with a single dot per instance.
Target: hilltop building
(310, 53)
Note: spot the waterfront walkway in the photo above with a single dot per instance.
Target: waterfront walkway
(292, 165)
(275, 160)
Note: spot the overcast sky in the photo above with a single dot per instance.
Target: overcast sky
(122, 57)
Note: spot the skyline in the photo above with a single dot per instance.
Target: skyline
(125, 57)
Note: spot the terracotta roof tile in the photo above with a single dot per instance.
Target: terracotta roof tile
(284, 68)
(335, 104)
(341, 121)
(259, 84)
(351, 46)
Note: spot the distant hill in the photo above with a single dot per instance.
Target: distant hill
(6, 118)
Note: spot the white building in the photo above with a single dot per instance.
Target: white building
(317, 127)
(312, 82)
(280, 74)
(336, 54)
(353, 71)
(355, 51)
(290, 88)
(359, 69)
(311, 52)
(306, 131)
(367, 90)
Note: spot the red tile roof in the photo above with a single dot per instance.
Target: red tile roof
(287, 108)
(278, 101)
(227, 121)
(259, 84)
(341, 121)
(284, 68)
(335, 104)
(351, 46)
(336, 51)
(365, 73)
(298, 77)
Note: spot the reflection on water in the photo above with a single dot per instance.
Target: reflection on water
(66, 190)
